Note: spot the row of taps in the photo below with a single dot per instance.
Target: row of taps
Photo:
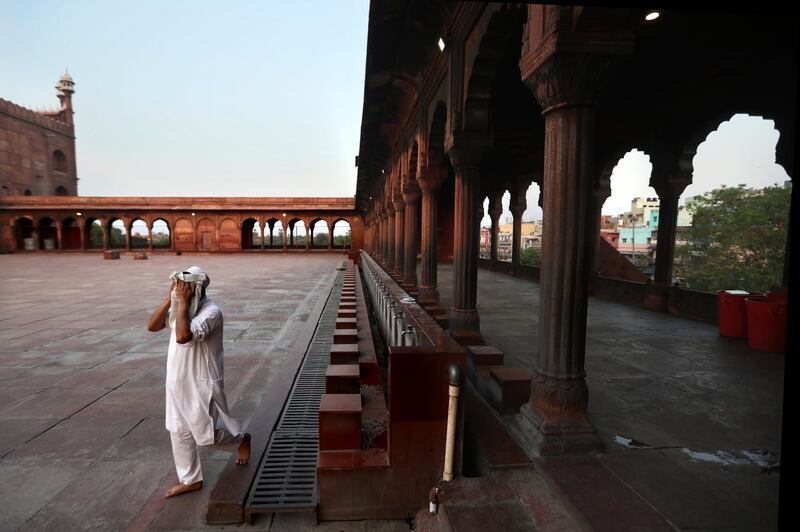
(393, 321)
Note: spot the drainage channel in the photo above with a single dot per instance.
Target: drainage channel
(287, 476)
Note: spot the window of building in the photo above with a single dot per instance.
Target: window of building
(59, 161)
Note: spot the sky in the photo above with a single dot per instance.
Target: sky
(241, 98)
(252, 99)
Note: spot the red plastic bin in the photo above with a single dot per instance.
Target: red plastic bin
(766, 322)
(732, 312)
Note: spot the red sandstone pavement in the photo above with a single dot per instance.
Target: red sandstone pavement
(82, 438)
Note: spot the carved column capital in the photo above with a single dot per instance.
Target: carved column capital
(432, 178)
(468, 151)
(411, 193)
(569, 80)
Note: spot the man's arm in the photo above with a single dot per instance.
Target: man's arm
(183, 331)
(158, 320)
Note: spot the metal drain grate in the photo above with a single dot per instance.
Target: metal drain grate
(287, 476)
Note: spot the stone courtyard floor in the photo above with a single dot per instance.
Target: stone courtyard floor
(687, 417)
(82, 437)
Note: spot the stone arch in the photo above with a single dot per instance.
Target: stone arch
(504, 28)
(139, 233)
(117, 232)
(342, 233)
(436, 135)
(5, 191)
(61, 191)
(295, 240)
(230, 237)
(319, 234)
(184, 235)
(274, 233)
(206, 235)
(93, 233)
(252, 235)
(160, 234)
(25, 233)
(715, 204)
(28, 192)
(70, 233)
(48, 234)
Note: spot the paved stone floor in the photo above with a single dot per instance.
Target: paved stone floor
(82, 438)
(702, 408)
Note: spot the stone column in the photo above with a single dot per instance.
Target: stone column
(495, 210)
(330, 237)
(565, 85)
(59, 246)
(411, 197)
(390, 217)
(263, 233)
(517, 207)
(150, 238)
(106, 241)
(466, 156)
(429, 184)
(82, 228)
(399, 227)
(669, 191)
(601, 190)
(309, 235)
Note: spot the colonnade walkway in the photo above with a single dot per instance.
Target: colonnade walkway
(688, 418)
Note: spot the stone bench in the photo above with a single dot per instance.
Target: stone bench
(340, 421)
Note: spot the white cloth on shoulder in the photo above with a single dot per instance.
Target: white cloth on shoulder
(196, 276)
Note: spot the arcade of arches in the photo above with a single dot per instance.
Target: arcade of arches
(177, 224)
(552, 95)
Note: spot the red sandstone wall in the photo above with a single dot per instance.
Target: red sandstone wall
(612, 264)
(27, 142)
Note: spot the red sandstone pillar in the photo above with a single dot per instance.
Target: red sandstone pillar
(669, 191)
(83, 236)
(399, 226)
(411, 196)
(390, 235)
(518, 206)
(565, 86)
(600, 193)
(430, 183)
(330, 237)
(59, 246)
(466, 157)
(495, 210)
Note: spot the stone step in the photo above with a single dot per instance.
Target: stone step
(484, 355)
(344, 353)
(345, 336)
(110, 254)
(347, 313)
(346, 323)
(467, 338)
(514, 387)
(347, 305)
(342, 378)
(340, 421)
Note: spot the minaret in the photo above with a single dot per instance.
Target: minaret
(65, 88)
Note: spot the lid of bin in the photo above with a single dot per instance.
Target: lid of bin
(737, 292)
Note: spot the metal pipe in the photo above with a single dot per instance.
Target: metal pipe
(454, 377)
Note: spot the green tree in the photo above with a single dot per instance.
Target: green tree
(737, 239)
(531, 256)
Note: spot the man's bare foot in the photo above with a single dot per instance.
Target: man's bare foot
(244, 450)
(183, 488)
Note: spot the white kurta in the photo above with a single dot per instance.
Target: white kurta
(195, 379)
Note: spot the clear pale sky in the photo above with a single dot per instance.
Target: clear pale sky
(235, 98)
(255, 98)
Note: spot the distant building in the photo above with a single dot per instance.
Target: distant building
(37, 148)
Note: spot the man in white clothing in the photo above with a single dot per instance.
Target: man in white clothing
(197, 410)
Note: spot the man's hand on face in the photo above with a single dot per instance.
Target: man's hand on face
(184, 291)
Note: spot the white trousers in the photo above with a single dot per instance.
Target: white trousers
(186, 453)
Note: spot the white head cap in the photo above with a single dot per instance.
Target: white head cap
(198, 269)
